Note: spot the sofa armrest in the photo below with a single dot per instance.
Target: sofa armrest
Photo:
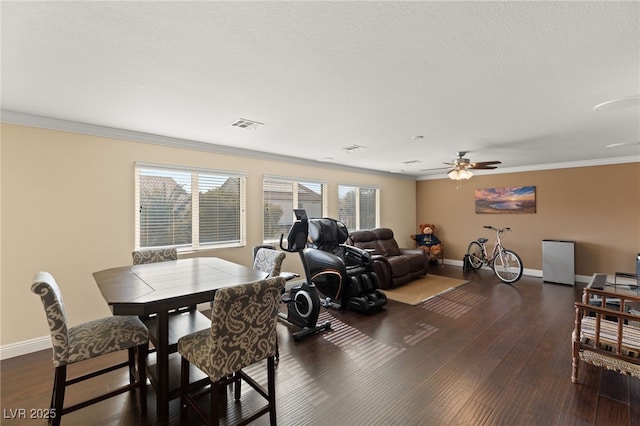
(356, 256)
(382, 268)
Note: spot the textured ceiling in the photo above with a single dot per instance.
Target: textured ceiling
(509, 81)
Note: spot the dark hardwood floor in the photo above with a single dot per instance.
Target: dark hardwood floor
(485, 353)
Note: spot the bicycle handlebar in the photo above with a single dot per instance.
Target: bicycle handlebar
(496, 229)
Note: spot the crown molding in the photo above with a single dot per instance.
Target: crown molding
(12, 117)
(30, 120)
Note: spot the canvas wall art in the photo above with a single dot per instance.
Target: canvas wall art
(509, 200)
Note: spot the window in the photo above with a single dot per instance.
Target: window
(188, 208)
(358, 207)
(281, 196)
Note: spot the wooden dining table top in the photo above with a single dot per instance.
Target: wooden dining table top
(148, 288)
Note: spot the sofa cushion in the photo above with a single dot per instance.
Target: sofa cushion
(388, 248)
(365, 240)
(382, 233)
(394, 266)
(387, 245)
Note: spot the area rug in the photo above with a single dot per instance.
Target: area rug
(422, 289)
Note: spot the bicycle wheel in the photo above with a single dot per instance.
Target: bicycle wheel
(507, 266)
(475, 254)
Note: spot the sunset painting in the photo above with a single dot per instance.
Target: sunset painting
(517, 199)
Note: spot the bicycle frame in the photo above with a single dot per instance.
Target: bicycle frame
(506, 264)
(497, 245)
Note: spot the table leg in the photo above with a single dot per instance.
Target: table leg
(163, 367)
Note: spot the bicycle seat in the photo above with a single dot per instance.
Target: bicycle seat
(482, 240)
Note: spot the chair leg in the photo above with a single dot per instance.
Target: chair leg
(57, 396)
(184, 390)
(237, 385)
(131, 353)
(575, 361)
(142, 351)
(214, 397)
(271, 388)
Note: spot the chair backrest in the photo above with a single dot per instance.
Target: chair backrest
(154, 255)
(243, 326)
(269, 261)
(45, 286)
(327, 233)
(256, 248)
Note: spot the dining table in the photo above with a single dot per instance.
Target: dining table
(155, 292)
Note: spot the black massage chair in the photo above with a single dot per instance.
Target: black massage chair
(342, 273)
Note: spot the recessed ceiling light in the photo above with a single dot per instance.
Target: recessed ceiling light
(411, 162)
(614, 104)
(417, 137)
(326, 159)
(243, 123)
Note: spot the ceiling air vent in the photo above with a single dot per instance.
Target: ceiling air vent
(353, 148)
(243, 123)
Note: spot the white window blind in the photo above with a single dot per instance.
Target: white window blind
(191, 209)
(359, 206)
(281, 196)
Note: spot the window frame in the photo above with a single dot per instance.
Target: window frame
(357, 208)
(294, 182)
(195, 172)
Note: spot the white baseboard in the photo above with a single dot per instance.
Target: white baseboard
(528, 272)
(25, 347)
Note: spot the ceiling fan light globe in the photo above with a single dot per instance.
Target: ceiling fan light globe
(460, 174)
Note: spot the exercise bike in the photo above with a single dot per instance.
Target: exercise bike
(303, 300)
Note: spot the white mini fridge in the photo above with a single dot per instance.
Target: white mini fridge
(558, 261)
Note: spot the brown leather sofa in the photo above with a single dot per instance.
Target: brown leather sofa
(394, 266)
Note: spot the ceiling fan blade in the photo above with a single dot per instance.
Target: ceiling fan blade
(485, 163)
(481, 167)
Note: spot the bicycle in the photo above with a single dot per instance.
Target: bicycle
(506, 264)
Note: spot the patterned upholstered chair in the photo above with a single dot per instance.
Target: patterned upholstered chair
(183, 320)
(221, 352)
(154, 255)
(89, 340)
(269, 261)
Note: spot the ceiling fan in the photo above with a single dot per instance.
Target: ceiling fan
(460, 168)
(462, 163)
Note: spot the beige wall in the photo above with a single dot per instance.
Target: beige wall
(67, 208)
(597, 207)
